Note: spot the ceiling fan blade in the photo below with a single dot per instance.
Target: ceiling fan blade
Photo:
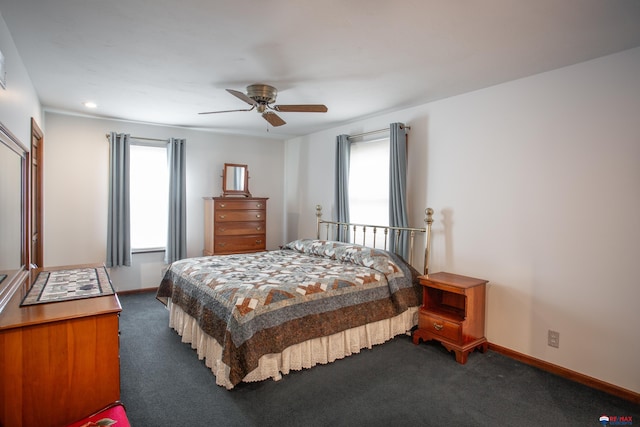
(227, 111)
(309, 108)
(242, 96)
(273, 119)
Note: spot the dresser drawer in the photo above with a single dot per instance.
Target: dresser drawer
(441, 327)
(236, 244)
(239, 228)
(229, 216)
(239, 204)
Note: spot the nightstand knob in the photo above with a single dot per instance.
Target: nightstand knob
(437, 327)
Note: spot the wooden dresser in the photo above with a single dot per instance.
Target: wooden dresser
(234, 225)
(59, 362)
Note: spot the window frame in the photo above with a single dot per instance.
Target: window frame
(383, 166)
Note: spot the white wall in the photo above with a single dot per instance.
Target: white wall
(18, 102)
(76, 186)
(535, 184)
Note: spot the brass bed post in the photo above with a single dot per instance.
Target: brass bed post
(427, 251)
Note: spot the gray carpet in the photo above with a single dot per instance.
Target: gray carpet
(164, 384)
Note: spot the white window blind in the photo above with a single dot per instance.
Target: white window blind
(149, 191)
(369, 184)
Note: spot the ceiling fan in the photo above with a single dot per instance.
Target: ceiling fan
(261, 97)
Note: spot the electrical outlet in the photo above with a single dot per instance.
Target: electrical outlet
(554, 339)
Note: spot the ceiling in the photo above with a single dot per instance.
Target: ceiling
(163, 61)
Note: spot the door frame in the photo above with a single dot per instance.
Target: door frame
(36, 196)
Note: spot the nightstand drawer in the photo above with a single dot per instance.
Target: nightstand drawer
(440, 327)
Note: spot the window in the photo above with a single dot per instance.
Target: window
(149, 190)
(369, 184)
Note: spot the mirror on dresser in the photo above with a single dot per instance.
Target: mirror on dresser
(13, 214)
(235, 180)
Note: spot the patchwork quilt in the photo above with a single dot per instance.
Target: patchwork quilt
(261, 303)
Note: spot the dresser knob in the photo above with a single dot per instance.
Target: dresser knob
(259, 205)
(222, 229)
(258, 228)
(222, 216)
(437, 327)
(258, 242)
(222, 205)
(223, 244)
(258, 216)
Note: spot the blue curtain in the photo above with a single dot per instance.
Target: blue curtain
(177, 235)
(119, 223)
(398, 187)
(343, 152)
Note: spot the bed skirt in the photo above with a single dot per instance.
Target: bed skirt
(307, 354)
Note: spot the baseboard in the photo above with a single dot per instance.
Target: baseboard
(137, 291)
(569, 374)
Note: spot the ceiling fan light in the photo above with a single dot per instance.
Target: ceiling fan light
(262, 93)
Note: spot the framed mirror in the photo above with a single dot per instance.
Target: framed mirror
(235, 180)
(13, 214)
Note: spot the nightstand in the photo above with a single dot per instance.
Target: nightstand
(452, 312)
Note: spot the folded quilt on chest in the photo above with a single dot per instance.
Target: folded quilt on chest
(261, 303)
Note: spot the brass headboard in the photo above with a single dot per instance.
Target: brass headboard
(331, 228)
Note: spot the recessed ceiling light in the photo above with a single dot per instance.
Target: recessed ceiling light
(90, 104)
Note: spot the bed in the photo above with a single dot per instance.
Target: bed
(261, 315)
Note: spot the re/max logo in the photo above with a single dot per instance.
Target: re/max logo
(614, 420)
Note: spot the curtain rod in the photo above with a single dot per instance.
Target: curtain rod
(141, 139)
(374, 132)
